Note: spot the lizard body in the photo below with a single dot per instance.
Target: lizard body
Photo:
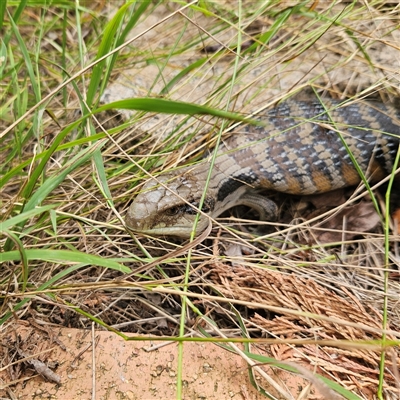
(299, 151)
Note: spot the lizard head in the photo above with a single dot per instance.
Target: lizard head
(168, 210)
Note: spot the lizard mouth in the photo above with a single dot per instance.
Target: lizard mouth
(182, 230)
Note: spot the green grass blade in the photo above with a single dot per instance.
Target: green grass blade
(23, 257)
(9, 223)
(46, 156)
(66, 146)
(3, 6)
(171, 107)
(103, 184)
(130, 24)
(17, 14)
(3, 57)
(105, 46)
(332, 385)
(65, 256)
(51, 183)
(142, 7)
(27, 59)
(182, 74)
(272, 31)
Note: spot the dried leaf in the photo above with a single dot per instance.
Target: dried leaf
(350, 222)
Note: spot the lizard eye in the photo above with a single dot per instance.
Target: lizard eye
(173, 211)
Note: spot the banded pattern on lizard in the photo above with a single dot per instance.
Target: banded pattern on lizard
(299, 151)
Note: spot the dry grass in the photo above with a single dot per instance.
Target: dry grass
(324, 306)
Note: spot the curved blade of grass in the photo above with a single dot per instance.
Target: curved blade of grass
(78, 142)
(332, 385)
(142, 6)
(172, 107)
(64, 256)
(51, 183)
(27, 59)
(270, 33)
(101, 173)
(16, 16)
(105, 46)
(9, 223)
(132, 20)
(47, 154)
(94, 319)
(3, 6)
(182, 74)
(3, 56)
(228, 347)
(65, 146)
(24, 259)
(246, 345)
